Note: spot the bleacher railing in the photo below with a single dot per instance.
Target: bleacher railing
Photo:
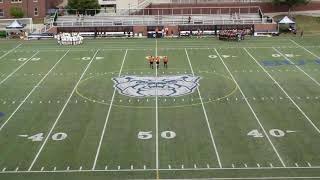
(137, 22)
(162, 11)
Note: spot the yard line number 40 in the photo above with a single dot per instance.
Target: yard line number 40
(273, 132)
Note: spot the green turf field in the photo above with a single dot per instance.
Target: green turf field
(253, 111)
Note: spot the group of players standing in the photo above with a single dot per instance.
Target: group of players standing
(156, 60)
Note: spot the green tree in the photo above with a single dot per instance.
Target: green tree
(291, 3)
(84, 6)
(16, 12)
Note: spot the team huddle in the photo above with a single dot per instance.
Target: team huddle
(156, 60)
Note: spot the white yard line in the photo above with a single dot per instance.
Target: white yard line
(293, 102)
(34, 88)
(314, 80)
(205, 114)
(10, 51)
(305, 49)
(61, 112)
(18, 68)
(255, 115)
(108, 114)
(157, 116)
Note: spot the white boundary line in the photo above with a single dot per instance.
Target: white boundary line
(305, 49)
(18, 68)
(107, 118)
(205, 114)
(157, 116)
(297, 67)
(34, 88)
(255, 115)
(10, 51)
(172, 169)
(293, 102)
(62, 110)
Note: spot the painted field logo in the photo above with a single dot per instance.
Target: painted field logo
(167, 86)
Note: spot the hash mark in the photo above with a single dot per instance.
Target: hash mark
(80, 168)
(195, 166)
(105, 168)
(4, 169)
(270, 165)
(258, 165)
(17, 169)
(182, 166)
(169, 166)
(208, 166)
(55, 168)
(68, 168)
(131, 167)
(42, 168)
(118, 167)
(144, 167)
(232, 165)
(245, 165)
(296, 164)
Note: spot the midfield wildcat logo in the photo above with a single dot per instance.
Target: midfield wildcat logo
(163, 86)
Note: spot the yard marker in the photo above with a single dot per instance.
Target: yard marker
(34, 88)
(232, 165)
(245, 165)
(296, 164)
(4, 169)
(205, 113)
(68, 168)
(17, 169)
(253, 112)
(106, 167)
(195, 166)
(107, 117)
(62, 110)
(293, 102)
(208, 166)
(169, 166)
(131, 167)
(80, 168)
(19, 67)
(144, 167)
(10, 51)
(118, 167)
(182, 166)
(42, 168)
(270, 165)
(314, 80)
(258, 165)
(55, 168)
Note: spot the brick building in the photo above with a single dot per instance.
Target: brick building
(36, 9)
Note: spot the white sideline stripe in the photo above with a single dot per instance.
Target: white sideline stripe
(108, 114)
(34, 88)
(146, 170)
(293, 102)
(305, 49)
(157, 116)
(18, 68)
(205, 114)
(10, 51)
(62, 110)
(254, 114)
(297, 67)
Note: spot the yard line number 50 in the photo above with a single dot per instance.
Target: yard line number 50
(144, 135)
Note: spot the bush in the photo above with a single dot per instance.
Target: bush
(16, 12)
(2, 34)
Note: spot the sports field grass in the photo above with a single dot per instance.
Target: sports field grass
(255, 113)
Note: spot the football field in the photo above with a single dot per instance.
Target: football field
(221, 110)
